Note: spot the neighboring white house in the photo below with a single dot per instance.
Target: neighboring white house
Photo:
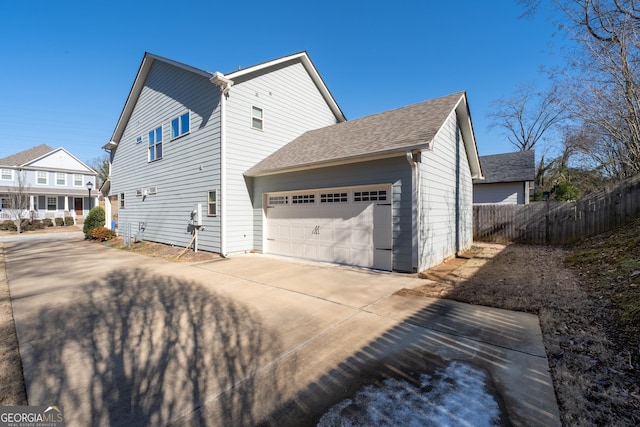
(508, 179)
(263, 159)
(54, 179)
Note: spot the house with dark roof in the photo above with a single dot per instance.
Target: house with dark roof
(55, 181)
(508, 178)
(263, 159)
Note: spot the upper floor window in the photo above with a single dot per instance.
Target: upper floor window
(61, 178)
(42, 178)
(6, 174)
(78, 180)
(257, 118)
(155, 144)
(180, 125)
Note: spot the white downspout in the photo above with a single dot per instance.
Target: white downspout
(224, 84)
(416, 211)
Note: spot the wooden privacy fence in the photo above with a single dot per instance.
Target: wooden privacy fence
(558, 223)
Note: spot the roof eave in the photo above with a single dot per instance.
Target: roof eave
(395, 152)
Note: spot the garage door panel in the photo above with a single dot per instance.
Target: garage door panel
(342, 231)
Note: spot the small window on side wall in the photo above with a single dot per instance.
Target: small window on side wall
(121, 200)
(212, 202)
(257, 118)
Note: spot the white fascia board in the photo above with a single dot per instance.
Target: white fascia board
(399, 152)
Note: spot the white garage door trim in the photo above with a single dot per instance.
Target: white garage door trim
(344, 225)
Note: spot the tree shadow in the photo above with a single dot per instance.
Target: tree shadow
(136, 348)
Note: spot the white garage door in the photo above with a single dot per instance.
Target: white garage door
(342, 225)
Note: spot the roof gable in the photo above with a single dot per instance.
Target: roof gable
(59, 159)
(508, 167)
(215, 77)
(386, 134)
(26, 156)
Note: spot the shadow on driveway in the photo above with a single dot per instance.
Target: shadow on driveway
(136, 348)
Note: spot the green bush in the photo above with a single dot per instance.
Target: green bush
(36, 224)
(8, 226)
(68, 220)
(59, 222)
(47, 222)
(95, 219)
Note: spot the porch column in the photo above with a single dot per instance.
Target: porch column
(31, 205)
(66, 203)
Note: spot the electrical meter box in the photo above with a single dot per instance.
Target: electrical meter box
(197, 215)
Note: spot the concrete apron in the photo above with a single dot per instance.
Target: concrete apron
(121, 339)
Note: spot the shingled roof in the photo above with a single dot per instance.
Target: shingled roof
(26, 156)
(378, 135)
(508, 167)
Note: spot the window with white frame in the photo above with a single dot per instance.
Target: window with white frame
(4, 203)
(52, 203)
(181, 125)
(212, 202)
(42, 178)
(61, 178)
(78, 180)
(155, 144)
(257, 118)
(6, 174)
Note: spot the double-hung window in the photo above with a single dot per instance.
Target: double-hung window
(6, 175)
(77, 180)
(42, 178)
(155, 144)
(61, 178)
(257, 118)
(180, 125)
(52, 203)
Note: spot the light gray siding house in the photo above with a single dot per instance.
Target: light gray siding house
(54, 179)
(275, 167)
(508, 179)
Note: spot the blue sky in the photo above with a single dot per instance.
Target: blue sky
(67, 66)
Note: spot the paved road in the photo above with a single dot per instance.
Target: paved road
(122, 339)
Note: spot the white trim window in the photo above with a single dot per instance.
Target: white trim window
(42, 178)
(181, 125)
(52, 203)
(212, 203)
(61, 178)
(6, 174)
(78, 180)
(257, 118)
(155, 144)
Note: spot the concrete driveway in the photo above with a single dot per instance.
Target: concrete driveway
(122, 339)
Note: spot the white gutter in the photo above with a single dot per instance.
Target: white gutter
(224, 84)
(415, 211)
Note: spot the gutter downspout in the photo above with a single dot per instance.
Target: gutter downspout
(224, 84)
(415, 212)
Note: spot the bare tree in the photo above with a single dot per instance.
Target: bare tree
(18, 201)
(527, 116)
(101, 166)
(602, 77)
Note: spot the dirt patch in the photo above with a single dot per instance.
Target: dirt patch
(159, 250)
(594, 376)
